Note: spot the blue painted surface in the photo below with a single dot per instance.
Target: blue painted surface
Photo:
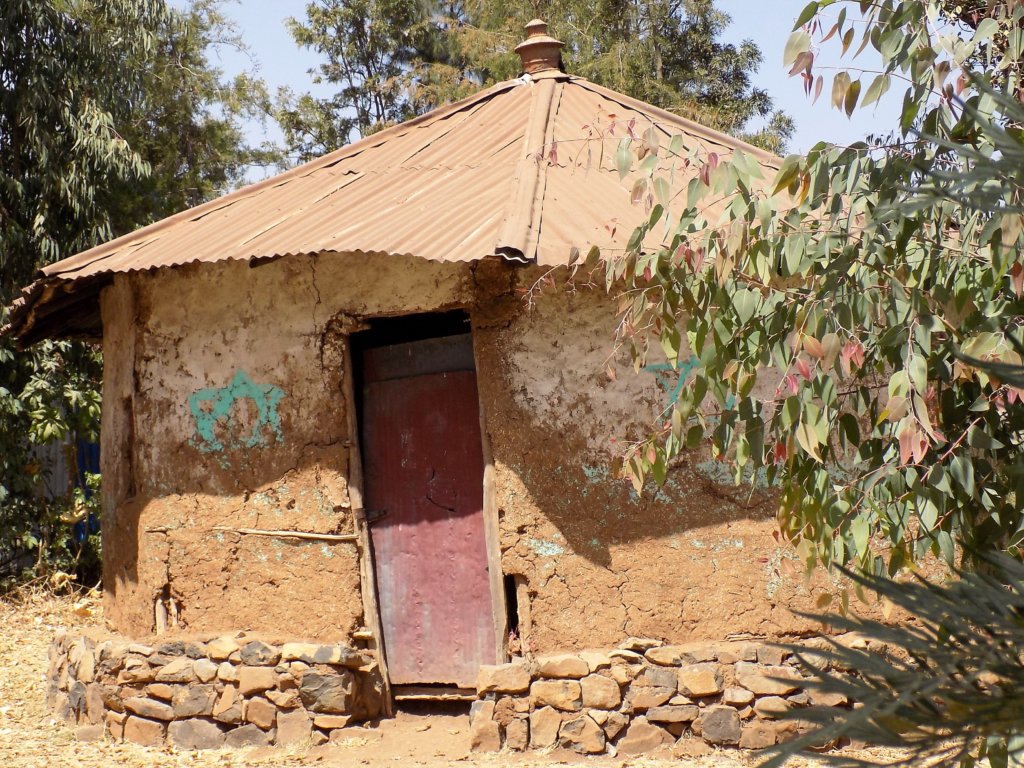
(214, 405)
(671, 378)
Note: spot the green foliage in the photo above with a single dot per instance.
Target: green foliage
(111, 116)
(826, 307)
(948, 688)
(393, 59)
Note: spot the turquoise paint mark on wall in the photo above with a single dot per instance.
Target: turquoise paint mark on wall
(663, 373)
(214, 406)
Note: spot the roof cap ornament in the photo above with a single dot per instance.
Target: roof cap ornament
(539, 51)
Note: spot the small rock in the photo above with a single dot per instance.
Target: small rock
(156, 710)
(227, 672)
(205, 670)
(255, 680)
(148, 733)
(561, 694)
(680, 699)
(544, 725)
(641, 736)
(799, 699)
(517, 735)
(737, 697)
(703, 679)
(720, 725)
(195, 734)
(822, 699)
(89, 733)
(141, 650)
(771, 707)
(684, 714)
(312, 653)
(194, 701)
(596, 659)
(643, 697)
(115, 725)
(563, 665)
(657, 677)
(503, 678)
(771, 655)
(623, 674)
(614, 723)
(330, 722)
(285, 699)
(259, 654)
(484, 735)
(600, 692)
(665, 655)
(228, 708)
(639, 644)
(221, 648)
(327, 694)
(630, 657)
(758, 679)
(180, 648)
(294, 727)
(730, 653)
(160, 691)
(177, 671)
(260, 712)
(247, 736)
(582, 735)
(757, 735)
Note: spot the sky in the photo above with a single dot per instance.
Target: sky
(768, 23)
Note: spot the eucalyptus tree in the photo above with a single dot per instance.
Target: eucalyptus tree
(393, 59)
(846, 316)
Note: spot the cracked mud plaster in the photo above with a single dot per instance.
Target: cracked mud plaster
(175, 333)
(695, 559)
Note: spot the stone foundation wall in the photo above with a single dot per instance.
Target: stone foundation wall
(198, 694)
(641, 696)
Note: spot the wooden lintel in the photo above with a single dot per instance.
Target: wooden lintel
(351, 537)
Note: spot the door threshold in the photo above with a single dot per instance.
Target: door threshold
(432, 693)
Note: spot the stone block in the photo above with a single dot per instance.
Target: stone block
(293, 727)
(517, 735)
(255, 680)
(600, 692)
(664, 655)
(641, 737)
(94, 703)
(757, 735)
(562, 666)
(684, 714)
(644, 697)
(163, 691)
(178, 670)
(771, 707)
(484, 735)
(259, 654)
(151, 708)
(312, 653)
(702, 679)
(624, 674)
(221, 648)
(205, 670)
(327, 693)
(639, 644)
(758, 678)
(614, 723)
(544, 725)
(284, 699)
(247, 736)
(560, 694)
(260, 712)
(771, 655)
(720, 724)
(197, 733)
(228, 708)
(194, 701)
(503, 678)
(657, 677)
(180, 648)
(115, 725)
(227, 672)
(581, 734)
(330, 722)
(823, 699)
(148, 733)
(596, 659)
(737, 697)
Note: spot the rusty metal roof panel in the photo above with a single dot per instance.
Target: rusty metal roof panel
(524, 169)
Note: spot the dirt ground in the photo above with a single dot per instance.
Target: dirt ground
(31, 738)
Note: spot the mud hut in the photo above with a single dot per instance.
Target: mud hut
(346, 464)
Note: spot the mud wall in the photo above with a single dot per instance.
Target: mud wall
(226, 411)
(695, 559)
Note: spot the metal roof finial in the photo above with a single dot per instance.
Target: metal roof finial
(539, 51)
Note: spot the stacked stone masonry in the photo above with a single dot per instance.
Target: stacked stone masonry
(199, 694)
(644, 695)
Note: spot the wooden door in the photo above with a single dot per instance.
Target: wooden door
(423, 464)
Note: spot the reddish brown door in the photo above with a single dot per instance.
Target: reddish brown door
(424, 485)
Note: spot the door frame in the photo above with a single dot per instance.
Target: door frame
(367, 559)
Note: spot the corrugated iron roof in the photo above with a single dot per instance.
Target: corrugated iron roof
(524, 170)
